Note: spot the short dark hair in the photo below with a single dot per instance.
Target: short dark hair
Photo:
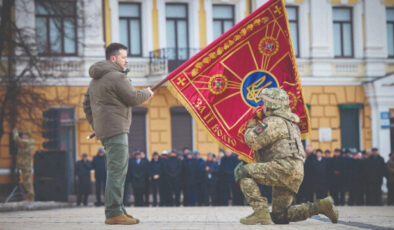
(113, 49)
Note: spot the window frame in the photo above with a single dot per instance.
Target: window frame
(392, 23)
(223, 20)
(176, 28)
(296, 21)
(341, 22)
(47, 18)
(128, 19)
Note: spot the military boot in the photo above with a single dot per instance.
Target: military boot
(260, 216)
(326, 207)
(307, 210)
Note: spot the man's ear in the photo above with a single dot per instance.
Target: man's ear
(112, 58)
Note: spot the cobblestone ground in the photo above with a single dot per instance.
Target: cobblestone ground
(225, 218)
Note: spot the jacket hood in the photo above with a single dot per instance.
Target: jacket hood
(99, 69)
(285, 113)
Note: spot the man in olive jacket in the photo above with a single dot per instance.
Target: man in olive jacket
(107, 106)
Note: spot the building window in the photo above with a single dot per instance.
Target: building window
(292, 14)
(390, 31)
(343, 32)
(137, 135)
(177, 34)
(223, 19)
(130, 27)
(56, 27)
(350, 126)
(181, 128)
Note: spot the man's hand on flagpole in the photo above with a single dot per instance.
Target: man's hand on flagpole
(260, 111)
(151, 93)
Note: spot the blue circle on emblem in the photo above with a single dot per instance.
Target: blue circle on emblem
(254, 83)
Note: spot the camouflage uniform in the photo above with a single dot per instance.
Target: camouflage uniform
(279, 156)
(24, 162)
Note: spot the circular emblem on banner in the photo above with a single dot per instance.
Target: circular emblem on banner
(268, 46)
(217, 84)
(254, 83)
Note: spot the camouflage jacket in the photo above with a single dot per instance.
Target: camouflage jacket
(278, 139)
(25, 151)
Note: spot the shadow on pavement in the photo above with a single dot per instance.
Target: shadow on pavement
(354, 224)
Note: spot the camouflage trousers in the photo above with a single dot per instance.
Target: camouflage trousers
(28, 183)
(282, 196)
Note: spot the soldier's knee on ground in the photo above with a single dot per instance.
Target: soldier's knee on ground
(280, 218)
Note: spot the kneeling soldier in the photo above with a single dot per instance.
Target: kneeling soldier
(279, 156)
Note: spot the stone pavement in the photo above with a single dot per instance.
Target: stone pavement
(225, 218)
(36, 205)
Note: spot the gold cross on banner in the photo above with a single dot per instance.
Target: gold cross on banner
(277, 10)
(181, 81)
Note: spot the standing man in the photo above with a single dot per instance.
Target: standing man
(376, 169)
(320, 175)
(172, 170)
(107, 106)
(226, 172)
(279, 156)
(100, 174)
(336, 177)
(211, 179)
(25, 144)
(83, 177)
(155, 173)
(390, 180)
(190, 173)
(138, 181)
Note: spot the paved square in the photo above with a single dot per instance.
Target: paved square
(225, 218)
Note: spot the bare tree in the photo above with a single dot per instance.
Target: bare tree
(21, 68)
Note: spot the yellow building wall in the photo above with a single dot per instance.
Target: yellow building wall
(324, 112)
(158, 116)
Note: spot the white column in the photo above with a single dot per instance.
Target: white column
(114, 11)
(303, 27)
(209, 20)
(380, 94)
(93, 41)
(321, 44)
(260, 3)
(25, 22)
(321, 29)
(375, 37)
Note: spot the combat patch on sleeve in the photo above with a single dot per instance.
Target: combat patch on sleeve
(260, 127)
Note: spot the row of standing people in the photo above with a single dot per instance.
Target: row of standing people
(358, 175)
(166, 177)
(169, 175)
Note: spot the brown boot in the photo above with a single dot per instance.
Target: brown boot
(326, 207)
(122, 219)
(131, 217)
(260, 216)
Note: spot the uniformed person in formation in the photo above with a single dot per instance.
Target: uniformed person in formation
(25, 144)
(279, 156)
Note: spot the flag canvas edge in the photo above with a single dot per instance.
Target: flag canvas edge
(307, 134)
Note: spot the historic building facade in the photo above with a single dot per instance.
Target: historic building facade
(344, 50)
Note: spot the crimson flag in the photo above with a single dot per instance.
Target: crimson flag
(220, 85)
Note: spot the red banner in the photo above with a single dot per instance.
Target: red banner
(220, 85)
